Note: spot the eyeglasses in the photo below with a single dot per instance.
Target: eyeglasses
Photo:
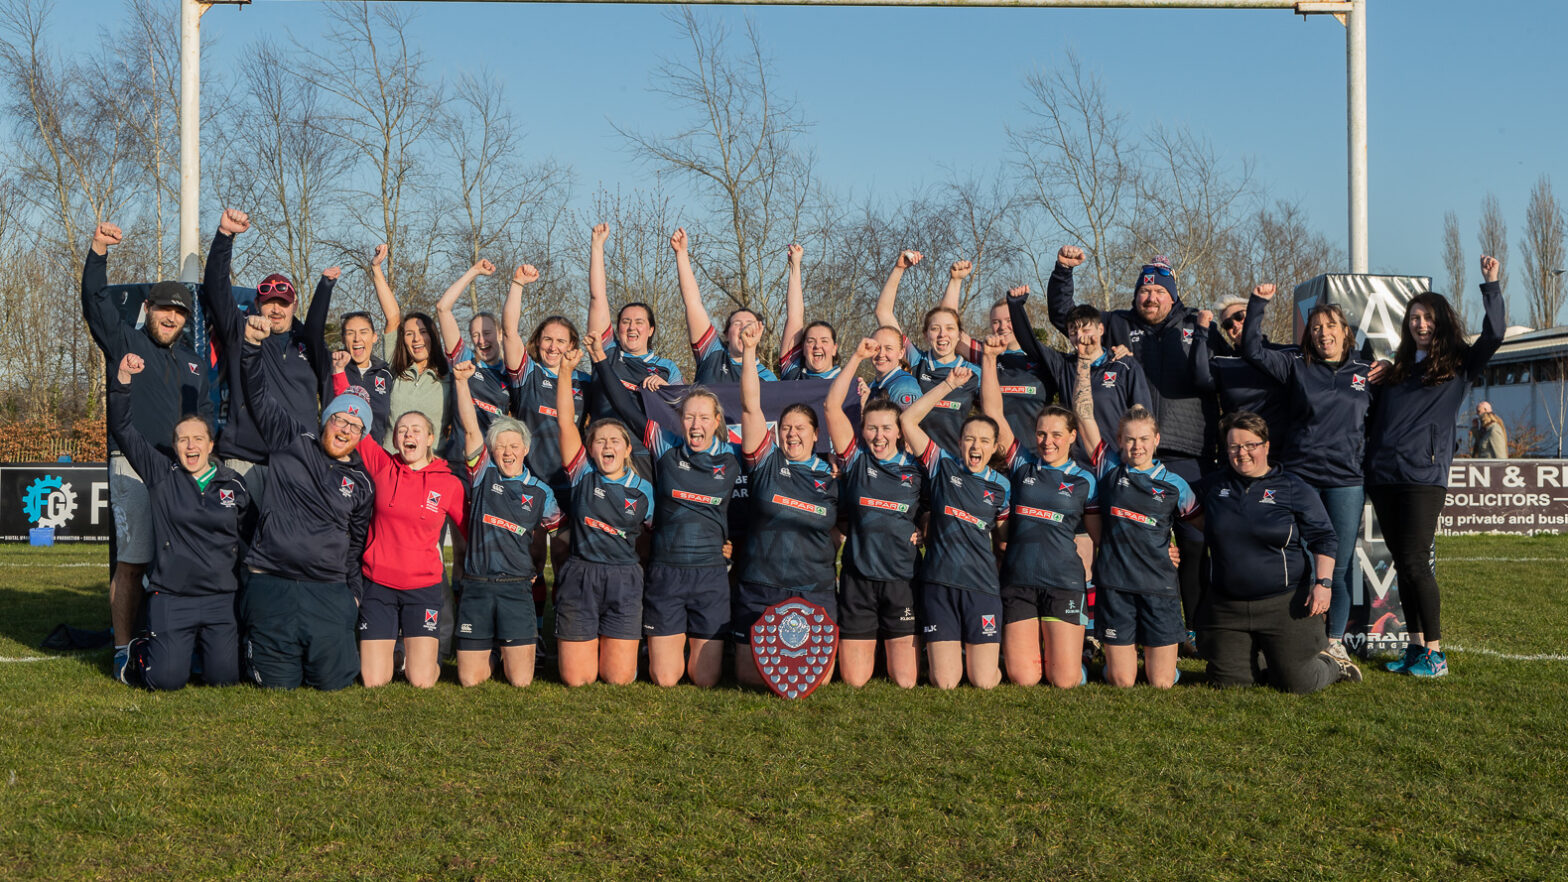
(1234, 318)
(1248, 447)
(344, 424)
(274, 288)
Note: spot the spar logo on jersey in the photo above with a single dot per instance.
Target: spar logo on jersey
(1108, 379)
(432, 619)
(1043, 514)
(503, 523)
(809, 508)
(949, 405)
(688, 496)
(546, 411)
(381, 384)
(1358, 383)
(433, 501)
(347, 487)
(226, 498)
(1019, 390)
(603, 527)
(1129, 515)
(486, 406)
(988, 624)
(1268, 497)
(884, 504)
(962, 515)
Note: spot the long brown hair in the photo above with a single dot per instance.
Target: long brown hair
(1334, 311)
(1448, 347)
(402, 359)
(533, 339)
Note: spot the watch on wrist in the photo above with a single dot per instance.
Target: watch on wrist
(1325, 582)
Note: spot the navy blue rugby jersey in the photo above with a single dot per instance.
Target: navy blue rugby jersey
(883, 500)
(1024, 392)
(532, 389)
(793, 508)
(966, 509)
(694, 490)
(897, 386)
(1139, 508)
(792, 366)
(488, 388)
(716, 365)
(607, 515)
(1048, 505)
(503, 514)
(945, 422)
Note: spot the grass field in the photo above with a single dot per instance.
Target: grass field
(1464, 778)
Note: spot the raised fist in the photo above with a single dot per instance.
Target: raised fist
(751, 334)
(678, 241)
(794, 252)
(131, 364)
(1019, 293)
(960, 270)
(907, 259)
(958, 376)
(525, 274)
(867, 349)
(257, 329)
(484, 267)
(570, 359)
(1264, 291)
(380, 255)
(332, 272)
(340, 360)
(1070, 255)
(1489, 267)
(995, 345)
(1205, 318)
(233, 222)
(595, 344)
(106, 235)
(463, 371)
(601, 234)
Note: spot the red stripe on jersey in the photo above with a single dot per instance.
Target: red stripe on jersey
(930, 455)
(704, 340)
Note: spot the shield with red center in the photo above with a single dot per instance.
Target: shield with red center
(793, 644)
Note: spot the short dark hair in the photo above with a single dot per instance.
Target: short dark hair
(1083, 312)
(1056, 410)
(653, 322)
(801, 408)
(212, 432)
(358, 314)
(1247, 421)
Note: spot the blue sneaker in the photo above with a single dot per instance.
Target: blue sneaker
(1083, 675)
(1402, 665)
(1431, 664)
(122, 657)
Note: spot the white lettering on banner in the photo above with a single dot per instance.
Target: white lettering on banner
(1505, 496)
(99, 501)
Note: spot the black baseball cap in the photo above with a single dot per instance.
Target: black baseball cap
(170, 294)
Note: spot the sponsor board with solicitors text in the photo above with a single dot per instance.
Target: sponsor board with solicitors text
(1506, 496)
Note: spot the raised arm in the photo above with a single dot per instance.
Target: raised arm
(841, 432)
(103, 319)
(753, 424)
(1059, 290)
(316, 325)
(217, 293)
(1202, 373)
(277, 427)
(1083, 408)
(391, 313)
(794, 310)
(450, 332)
(914, 436)
(885, 313)
(626, 407)
(1270, 361)
(598, 291)
(1493, 321)
(513, 347)
(1023, 328)
(991, 391)
(566, 409)
(143, 457)
(467, 415)
(952, 295)
(697, 322)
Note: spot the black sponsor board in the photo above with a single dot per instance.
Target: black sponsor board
(71, 497)
(1506, 496)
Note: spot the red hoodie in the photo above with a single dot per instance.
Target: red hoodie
(403, 550)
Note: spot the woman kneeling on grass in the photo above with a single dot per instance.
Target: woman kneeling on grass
(507, 508)
(1043, 572)
(598, 601)
(969, 507)
(1139, 599)
(884, 490)
(201, 509)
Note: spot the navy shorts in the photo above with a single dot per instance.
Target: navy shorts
(694, 601)
(388, 613)
(594, 600)
(298, 632)
(959, 614)
(492, 613)
(1022, 603)
(869, 608)
(1123, 618)
(752, 600)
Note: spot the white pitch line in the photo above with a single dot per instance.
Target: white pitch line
(1441, 559)
(35, 658)
(1508, 656)
(102, 566)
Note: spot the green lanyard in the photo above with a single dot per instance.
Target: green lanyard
(205, 478)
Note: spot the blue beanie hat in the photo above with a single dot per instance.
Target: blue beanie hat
(349, 404)
(1157, 272)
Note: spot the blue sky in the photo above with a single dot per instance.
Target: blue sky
(1465, 98)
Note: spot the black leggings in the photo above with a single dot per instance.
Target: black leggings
(1407, 515)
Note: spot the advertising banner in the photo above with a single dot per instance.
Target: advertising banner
(1506, 496)
(72, 498)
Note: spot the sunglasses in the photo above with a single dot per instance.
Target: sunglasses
(1234, 319)
(1157, 270)
(274, 288)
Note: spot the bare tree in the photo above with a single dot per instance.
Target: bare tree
(1492, 236)
(1077, 168)
(740, 150)
(1542, 250)
(1454, 262)
(638, 265)
(1275, 244)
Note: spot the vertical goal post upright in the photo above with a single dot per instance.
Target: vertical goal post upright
(1350, 13)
